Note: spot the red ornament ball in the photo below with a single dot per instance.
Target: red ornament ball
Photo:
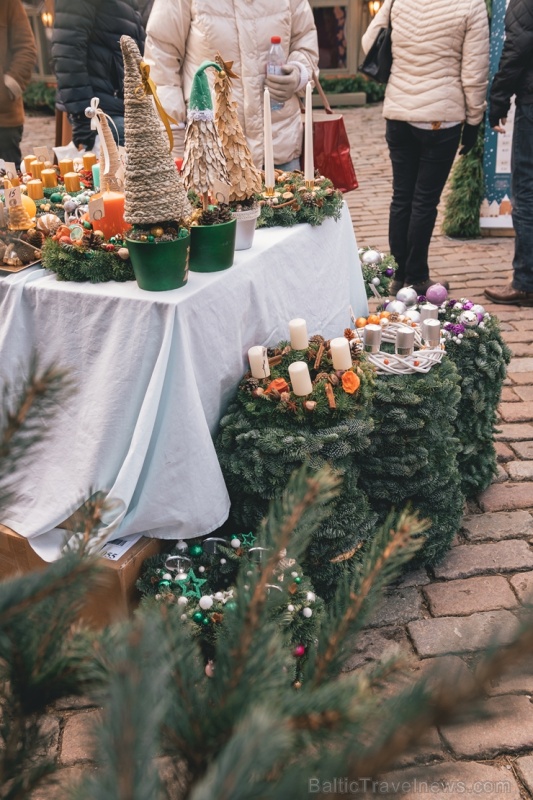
(299, 651)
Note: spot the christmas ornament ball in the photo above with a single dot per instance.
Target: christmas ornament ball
(413, 314)
(123, 253)
(436, 294)
(370, 257)
(375, 281)
(197, 616)
(205, 602)
(182, 601)
(299, 651)
(468, 318)
(157, 231)
(235, 543)
(209, 669)
(477, 308)
(196, 549)
(307, 612)
(389, 272)
(181, 545)
(407, 295)
(396, 307)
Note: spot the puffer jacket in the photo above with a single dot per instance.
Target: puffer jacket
(86, 52)
(440, 60)
(515, 72)
(181, 35)
(18, 55)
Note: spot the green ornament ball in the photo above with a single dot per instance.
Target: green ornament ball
(56, 197)
(297, 580)
(87, 224)
(198, 616)
(150, 238)
(231, 606)
(206, 621)
(196, 549)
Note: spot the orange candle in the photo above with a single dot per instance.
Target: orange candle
(66, 165)
(36, 168)
(35, 189)
(113, 220)
(49, 178)
(88, 160)
(27, 161)
(72, 181)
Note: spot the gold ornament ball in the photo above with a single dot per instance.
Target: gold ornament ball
(157, 231)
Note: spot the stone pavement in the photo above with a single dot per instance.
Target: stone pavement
(443, 615)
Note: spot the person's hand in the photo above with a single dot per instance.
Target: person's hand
(500, 127)
(283, 87)
(468, 138)
(83, 135)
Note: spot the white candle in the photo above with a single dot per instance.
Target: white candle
(300, 378)
(298, 334)
(340, 353)
(257, 356)
(270, 181)
(309, 164)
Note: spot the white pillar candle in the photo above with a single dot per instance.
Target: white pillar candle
(270, 180)
(300, 378)
(309, 164)
(257, 356)
(298, 334)
(340, 353)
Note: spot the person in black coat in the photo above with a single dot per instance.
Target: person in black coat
(515, 76)
(88, 60)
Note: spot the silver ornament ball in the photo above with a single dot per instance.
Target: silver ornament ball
(375, 281)
(371, 257)
(477, 309)
(413, 314)
(205, 602)
(468, 318)
(407, 295)
(396, 307)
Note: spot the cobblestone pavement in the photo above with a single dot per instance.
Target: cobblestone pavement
(447, 614)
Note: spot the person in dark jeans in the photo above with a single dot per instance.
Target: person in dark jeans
(421, 162)
(515, 76)
(435, 100)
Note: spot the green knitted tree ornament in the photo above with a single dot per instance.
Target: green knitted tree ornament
(200, 99)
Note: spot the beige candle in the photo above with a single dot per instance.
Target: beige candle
(36, 168)
(35, 189)
(49, 178)
(298, 334)
(300, 378)
(66, 165)
(27, 161)
(88, 160)
(257, 356)
(72, 181)
(340, 353)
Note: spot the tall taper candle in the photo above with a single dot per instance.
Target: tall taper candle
(298, 334)
(257, 356)
(309, 164)
(270, 180)
(340, 353)
(300, 378)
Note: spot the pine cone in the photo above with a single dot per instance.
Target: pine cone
(34, 237)
(250, 384)
(322, 376)
(348, 334)
(317, 339)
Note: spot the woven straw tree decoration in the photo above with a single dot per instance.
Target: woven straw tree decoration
(153, 188)
(244, 177)
(19, 219)
(203, 159)
(109, 155)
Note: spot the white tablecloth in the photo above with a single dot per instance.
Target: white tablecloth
(154, 373)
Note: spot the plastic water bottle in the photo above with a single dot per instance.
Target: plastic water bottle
(276, 59)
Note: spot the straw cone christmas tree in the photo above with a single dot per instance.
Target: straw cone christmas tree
(244, 177)
(19, 219)
(153, 188)
(203, 159)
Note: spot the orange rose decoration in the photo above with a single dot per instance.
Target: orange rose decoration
(350, 382)
(279, 384)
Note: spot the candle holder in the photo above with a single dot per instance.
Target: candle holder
(258, 556)
(269, 191)
(210, 544)
(310, 185)
(179, 565)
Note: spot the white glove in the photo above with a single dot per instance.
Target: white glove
(283, 87)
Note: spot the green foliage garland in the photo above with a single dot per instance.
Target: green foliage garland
(295, 204)
(263, 439)
(481, 356)
(461, 217)
(413, 452)
(96, 266)
(382, 271)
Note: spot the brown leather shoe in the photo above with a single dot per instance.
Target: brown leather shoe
(510, 296)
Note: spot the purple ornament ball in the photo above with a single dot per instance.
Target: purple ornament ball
(389, 272)
(436, 294)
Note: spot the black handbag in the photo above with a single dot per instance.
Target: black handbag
(378, 62)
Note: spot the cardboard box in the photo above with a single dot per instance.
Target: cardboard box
(115, 600)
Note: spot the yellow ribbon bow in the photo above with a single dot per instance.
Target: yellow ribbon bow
(149, 87)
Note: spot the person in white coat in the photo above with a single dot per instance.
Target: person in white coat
(435, 100)
(181, 35)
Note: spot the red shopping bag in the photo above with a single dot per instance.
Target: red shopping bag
(331, 147)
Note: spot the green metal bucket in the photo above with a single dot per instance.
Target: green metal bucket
(213, 247)
(160, 266)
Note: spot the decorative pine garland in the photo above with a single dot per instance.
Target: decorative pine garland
(75, 264)
(294, 203)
